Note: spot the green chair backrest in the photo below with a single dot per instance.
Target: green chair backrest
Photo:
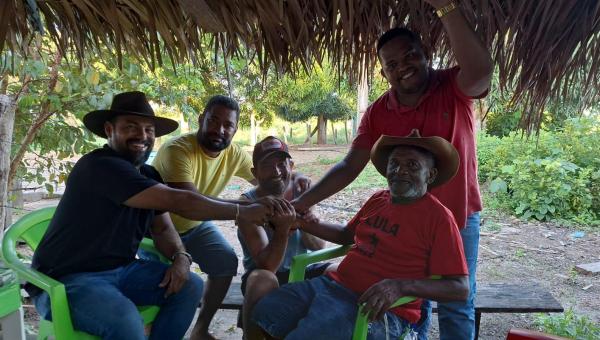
(30, 228)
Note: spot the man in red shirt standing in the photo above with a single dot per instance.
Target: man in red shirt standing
(437, 103)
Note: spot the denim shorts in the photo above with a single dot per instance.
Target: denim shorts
(209, 249)
(319, 308)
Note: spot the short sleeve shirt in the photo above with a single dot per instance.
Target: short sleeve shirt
(182, 160)
(92, 230)
(442, 111)
(396, 241)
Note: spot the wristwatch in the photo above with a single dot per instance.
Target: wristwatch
(446, 9)
(186, 254)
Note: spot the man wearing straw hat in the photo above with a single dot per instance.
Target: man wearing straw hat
(438, 102)
(402, 236)
(112, 198)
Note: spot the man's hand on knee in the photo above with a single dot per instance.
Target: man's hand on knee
(176, 275)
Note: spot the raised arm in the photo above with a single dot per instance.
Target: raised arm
(336, 179)
(476, 66)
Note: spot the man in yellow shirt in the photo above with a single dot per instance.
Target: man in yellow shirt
(204, 162)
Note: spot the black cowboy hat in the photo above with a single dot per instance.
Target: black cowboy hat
(446, 156)
(128, 104)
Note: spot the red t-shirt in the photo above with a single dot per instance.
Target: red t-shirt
(411, 241)
(442, 111)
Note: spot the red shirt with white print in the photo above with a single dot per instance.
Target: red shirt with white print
(401, 241)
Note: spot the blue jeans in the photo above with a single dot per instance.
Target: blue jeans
(209, 249)
(318, 308)
(457, 319)
(104, 303)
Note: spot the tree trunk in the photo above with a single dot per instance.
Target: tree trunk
(252, 129)
(7, 121)
(322, 136)
(308, 134)
(334, 133)
(291, 132)
(346, 131)
(362, 101)
(285, 134)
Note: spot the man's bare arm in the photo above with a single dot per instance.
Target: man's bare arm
(311, 242)
(474, 59)
(379, 297)
(194, 206)
(331, 232)
(268, 254)
(166, 239)
(336, 179)
(168, 243)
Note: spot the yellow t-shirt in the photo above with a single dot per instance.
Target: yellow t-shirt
(181, 159)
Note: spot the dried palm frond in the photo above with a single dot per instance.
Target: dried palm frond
(544, 50)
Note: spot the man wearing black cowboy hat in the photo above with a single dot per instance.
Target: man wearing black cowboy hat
(401, 237)
(111, 200)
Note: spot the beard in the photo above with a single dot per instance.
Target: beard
(405, 190)
(137, 158)
(275, 188)
(214, 146)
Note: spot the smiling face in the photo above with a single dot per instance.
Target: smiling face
(404, 65)
(217, 128)
(410, 170)
(274, 173)
(131, 137)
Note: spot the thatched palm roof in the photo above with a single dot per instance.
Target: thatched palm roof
(544, 49)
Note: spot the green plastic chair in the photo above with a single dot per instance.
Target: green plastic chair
(298, 267)
(30, 229)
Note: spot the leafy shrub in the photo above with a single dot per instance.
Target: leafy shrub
(570, 325)
(556, 176)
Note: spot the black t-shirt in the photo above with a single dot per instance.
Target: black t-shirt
(92, 230)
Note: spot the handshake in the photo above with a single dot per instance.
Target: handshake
(279, 213)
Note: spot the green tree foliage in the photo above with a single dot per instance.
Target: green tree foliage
(53, 94)
(316, 94)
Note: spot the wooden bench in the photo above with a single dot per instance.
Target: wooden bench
(491, 298)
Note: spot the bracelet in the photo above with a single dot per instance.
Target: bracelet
(446, 9)
(186, 254)
(237, 213)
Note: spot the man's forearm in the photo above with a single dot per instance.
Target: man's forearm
(271, 256)
(166, 239)
(443, 290)
(471, 54)
(336, 179)
(197, 207)
(335, 233)
(312, 242)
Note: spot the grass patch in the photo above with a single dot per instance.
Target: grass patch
(569, 324)
(368, 178)
(324, 160)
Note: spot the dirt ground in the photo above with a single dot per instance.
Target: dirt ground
(511, 251)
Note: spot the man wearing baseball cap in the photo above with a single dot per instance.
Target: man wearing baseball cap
(402, 236)
(269, 248)
(112, 198)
